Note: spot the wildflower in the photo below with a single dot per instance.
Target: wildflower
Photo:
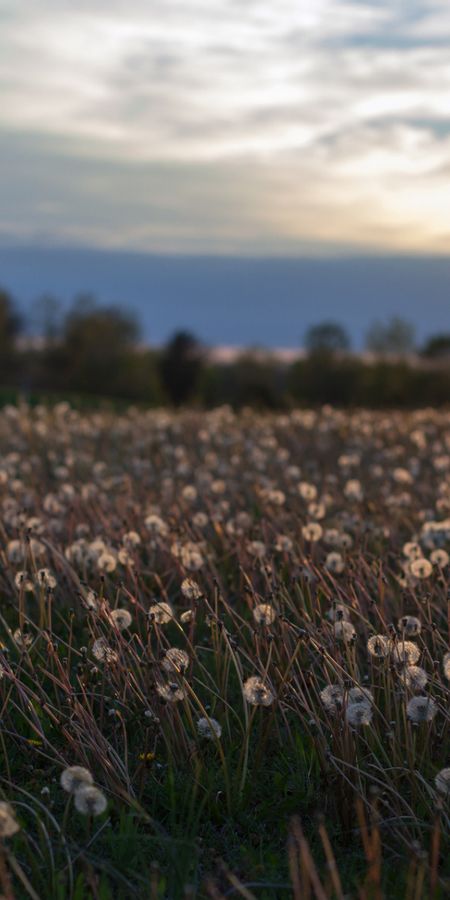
(191, 557)
(421, 709)
(359, 695)
(175, 660)
(378, 645)
(353, 489)
(170, 692)
(156, 525)
(421, 568)
(106, 562)
(332, 697)
(121, 618)
(405, 653)
(414, 677)
(90, 801)
(264, 614)
(446, 665)
(358, 714)
(75, 777)
(410, 626)
(22, 580)
(103, 652)
(442, 781)
(200, 520)
(257, 548)
(412, 550)
(440, 558)
(161, 613)
(307, 491)
(257, 693)
(8, 822)
(190, 589)
(44, 577)
(22, 638)
(334, 563)
(209, 728)
(337, 612)
(90, 601)
(312, 532)
(344, 631)
(187, 616)
(283, 543)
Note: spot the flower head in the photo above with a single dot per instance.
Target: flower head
(90, 801)
(75, 777)
(257, 693)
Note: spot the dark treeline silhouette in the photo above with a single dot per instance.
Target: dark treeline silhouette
(92, 352)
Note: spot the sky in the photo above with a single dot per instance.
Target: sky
(301, 129)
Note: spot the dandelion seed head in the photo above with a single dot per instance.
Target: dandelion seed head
(264, 614)
(257, 693)
(75, 777)
(90, 801)
(209, 728)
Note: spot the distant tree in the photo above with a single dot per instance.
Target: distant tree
(48, 317)
(94, 345)
(10, 321)
(395, 336)
(327, 337)
(10, 326)
(181, 365)
(437, 347)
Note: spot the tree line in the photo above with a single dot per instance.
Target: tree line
(93, 352)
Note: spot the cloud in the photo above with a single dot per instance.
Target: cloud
(202, 125)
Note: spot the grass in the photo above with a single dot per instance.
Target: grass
(280, 751)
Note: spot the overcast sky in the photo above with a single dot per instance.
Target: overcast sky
(226, 126)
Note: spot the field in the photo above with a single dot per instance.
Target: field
(224, 663)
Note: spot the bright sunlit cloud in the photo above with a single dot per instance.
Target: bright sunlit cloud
(226, 126)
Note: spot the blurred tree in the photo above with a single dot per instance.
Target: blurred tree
(10, 326)
(395, 336)
(437, 347)
(181, 364)
(327, 337)
(94, 345)
(48, 317)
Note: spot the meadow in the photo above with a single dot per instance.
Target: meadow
(225, 658)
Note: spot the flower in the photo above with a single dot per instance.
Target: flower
(264, 614)
(161, 613)
(44, 577)
(257, 693)
(332, 697)
(405, 653)
(446, 665)
(344, 631)
(421, 568)
(410, 626)
(358, 714)
(190, 589)
(334, 563)
(414, 678)
(8, 822)
(90, 801)
(421, 709)
(378, 645)
(209, 728)
(442, 781)
(312, 532)
(121, 618)
(75, 777)
(170, 692)
(175, 660)
(102, 651)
